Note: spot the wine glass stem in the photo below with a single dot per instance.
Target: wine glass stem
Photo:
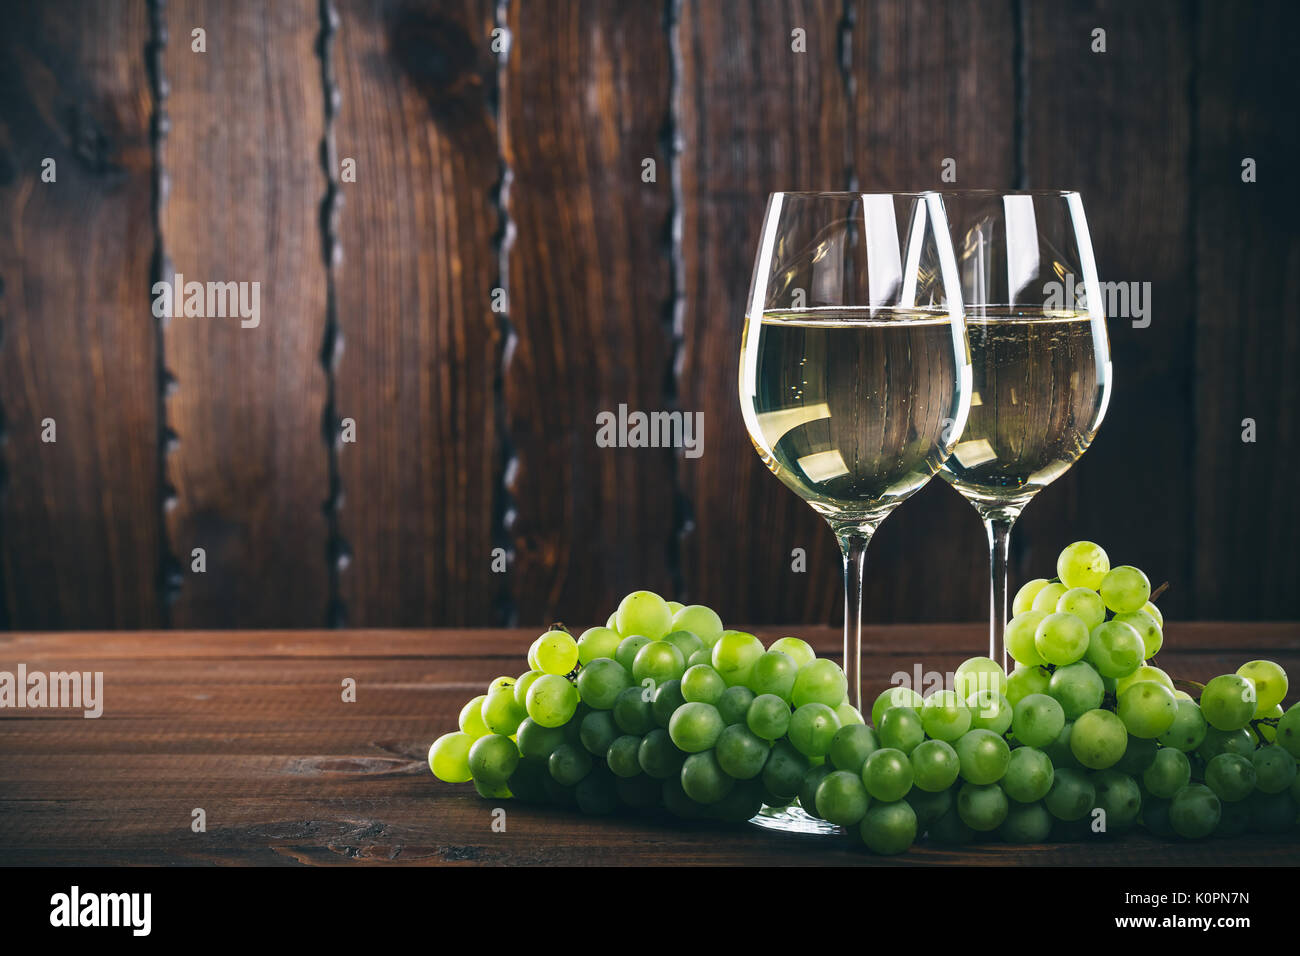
(999, 532)
(854, 547)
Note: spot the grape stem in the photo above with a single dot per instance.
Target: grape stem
(1159, 591)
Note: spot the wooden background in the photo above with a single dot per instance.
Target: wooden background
(521, 171)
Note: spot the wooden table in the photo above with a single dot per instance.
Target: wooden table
(251, 728)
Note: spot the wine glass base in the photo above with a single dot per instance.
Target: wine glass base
(792, 819)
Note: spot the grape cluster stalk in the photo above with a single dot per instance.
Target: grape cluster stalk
(662, 710)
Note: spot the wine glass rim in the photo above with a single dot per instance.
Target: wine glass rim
(852, 193)
(1007, 192)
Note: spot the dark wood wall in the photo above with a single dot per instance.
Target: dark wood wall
(520, 170)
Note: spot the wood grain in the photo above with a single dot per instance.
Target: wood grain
(250, 726)
(1116, 127)
(1247, 320)
(415, 308)
(250, 467)
(585, 104)
(79, 516)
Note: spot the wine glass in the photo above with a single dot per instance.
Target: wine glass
(855, 376)
(1040, 356)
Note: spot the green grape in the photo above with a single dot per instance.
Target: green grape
(701, 621)
(658, 755)
(501, 714)
(551, 700)
(703, 778)
(853, 744)
(1038, 720)
(1019, 637)
(734, 703)
(799, 651)
(532, 655)
(1024, 599)
(945, 716)
(984, 756)
(1168, 773)
(1188, 729)
(601, 681)
(611, 622)
(1046, 599)
(887, 774)
(1270, 684)
(1155, 613)
(1231, 777)
(644, 613)
(1082, 565)
(527, 783)
(695, 726)
(734, 656)
(633, 713)
(1059, 749)
(1028, 776)
(819, 682)
(848, 714)
(1072, 795)
(1288, 731)
(1228, 702)
(738, 806)
(1024, 681)
(935, 766)
(768, 717)
(569, 764)
(928, 806)
(499, 682)
(1225, 742)
(774, 673)
(537, 742)
(1083, 603)
(784, 771)
(1061, 639)
(1272, 812)
(471, 718)
(1026, 823)
(1077, 688)
(841, 798)
(1147, 709)
(1115, 649)
(493, 791)
(1137, 756)
(1125, 589)
(812, 728)
(449, 757)
(1152, 636)
(741, 753)
(703, 656)
(524, 682)
(702, 684)
(596, 794)
(1119, 797)
(596, 732)
(900, 729)
(1234, 819)
(982, 807)
(1194, 812)
(1098, 739)
(949, 829)
(492, 759)
(888, 828)
(1145, 672)
(677, 802)
(628, 649)
(977, 674)
(1275, 769)
(989, 711)
(686, 642)
(894, 697)
(658, 661)
(674, 607)
(667, 698)
(557, 653)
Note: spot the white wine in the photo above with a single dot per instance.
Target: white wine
(854, 409)
(1041, 384)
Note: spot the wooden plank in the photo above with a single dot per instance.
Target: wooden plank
(1247, 321)
(79, 517)
(756, 117)
(414, 301)
(250, 467)
(1116, 126)
(586, 101)
(934, 81)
